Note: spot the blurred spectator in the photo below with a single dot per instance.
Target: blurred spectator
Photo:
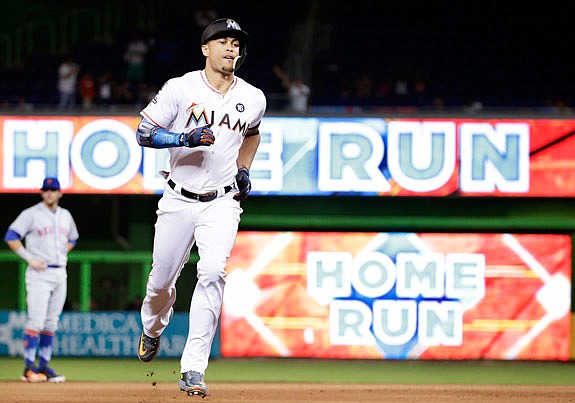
(383, 90)
(67, 80)
(438, 104)
(122, 93)
(400, 91)
(23, 105)
(363, 86)
(473, 106)
(562, 107)
(555, 106)
(419, 96)
(105, 89)
(135, 58)
(344, 92)
(87, 89)
(298, 92)
(548, 106)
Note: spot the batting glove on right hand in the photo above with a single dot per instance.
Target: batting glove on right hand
(200, 136)
(244, 184)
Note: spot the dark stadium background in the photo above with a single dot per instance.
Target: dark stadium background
(502, 54)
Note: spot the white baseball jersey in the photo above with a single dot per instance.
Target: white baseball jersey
(190, 101)
(47, 232)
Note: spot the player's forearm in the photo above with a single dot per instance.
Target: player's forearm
(248, 151)
(18, 248)
(14, 244)
(152, 136)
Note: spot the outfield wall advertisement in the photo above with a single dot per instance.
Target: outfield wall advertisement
(97, 334)
(309, 156)
(398, 296)
(428, 296)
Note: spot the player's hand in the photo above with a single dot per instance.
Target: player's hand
(244, 184)
(200, 136)
(37, 264)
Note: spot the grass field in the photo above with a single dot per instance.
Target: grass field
(308, 370)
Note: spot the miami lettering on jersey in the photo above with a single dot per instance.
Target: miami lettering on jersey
(198, 116)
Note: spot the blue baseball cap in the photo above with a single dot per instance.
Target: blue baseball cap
(51, 183)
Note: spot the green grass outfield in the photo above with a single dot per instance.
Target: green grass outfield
(311, 370)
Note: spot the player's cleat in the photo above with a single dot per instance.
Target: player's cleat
(148, 347)
(32, 375)
(192, 383)
(51, 375)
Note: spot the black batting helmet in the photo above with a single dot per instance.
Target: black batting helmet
(223, 28)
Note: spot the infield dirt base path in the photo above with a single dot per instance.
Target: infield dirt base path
(88, 392)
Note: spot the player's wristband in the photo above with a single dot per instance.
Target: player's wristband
(163, 138)
(153, 136)
(24, 254)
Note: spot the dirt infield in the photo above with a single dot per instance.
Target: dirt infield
(91, 392)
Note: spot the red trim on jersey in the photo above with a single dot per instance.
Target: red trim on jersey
(210, 86)
(152, 120)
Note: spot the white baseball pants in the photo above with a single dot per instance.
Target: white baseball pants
(180, 224)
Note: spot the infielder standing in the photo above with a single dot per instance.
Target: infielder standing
(50, 233)
(209, 120)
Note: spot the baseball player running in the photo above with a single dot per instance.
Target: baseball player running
(208, 119)
(50, 233)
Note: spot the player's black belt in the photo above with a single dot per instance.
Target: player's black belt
(205, 197)
(54, 266)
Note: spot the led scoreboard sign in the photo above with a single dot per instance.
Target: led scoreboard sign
(310, 156)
